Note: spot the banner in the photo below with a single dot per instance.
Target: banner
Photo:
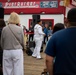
(41, 4)
(21, 5)
(49, 4)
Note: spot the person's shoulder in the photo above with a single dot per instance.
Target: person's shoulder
(18, 27)
(5, 27)
(37, 26)
(59, 33)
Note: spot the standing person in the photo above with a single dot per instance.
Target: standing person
(12, 43)
(46, 32)
(49, 32)
(25, 30)
(62, 45)
(2, 24)
(38, 37)
(31, 30)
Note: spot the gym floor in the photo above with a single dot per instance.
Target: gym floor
(33, 66)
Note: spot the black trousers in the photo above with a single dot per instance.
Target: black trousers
(31, 37)
(45, 37)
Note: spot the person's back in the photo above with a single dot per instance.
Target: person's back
(14, 43)
(2, 24)
(65, 49)
(62, 45)
(36, 30)
(37, 33)
(46, 31)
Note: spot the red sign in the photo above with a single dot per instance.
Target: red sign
(32, 6)
(21, 5)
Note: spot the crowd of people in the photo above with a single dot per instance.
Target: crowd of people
(60, 47)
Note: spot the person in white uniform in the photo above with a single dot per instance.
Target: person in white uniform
(38, 38)
(12, 43)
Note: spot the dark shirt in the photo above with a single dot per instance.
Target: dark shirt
(31, 29)
(62, 45)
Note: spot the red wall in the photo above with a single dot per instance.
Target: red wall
(59, 10)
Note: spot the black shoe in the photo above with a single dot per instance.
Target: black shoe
(41, 51)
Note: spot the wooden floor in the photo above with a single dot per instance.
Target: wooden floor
(33, 66)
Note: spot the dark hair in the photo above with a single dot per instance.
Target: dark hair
(58, 26)
(2, 23)
(71, 16)
(38, 20)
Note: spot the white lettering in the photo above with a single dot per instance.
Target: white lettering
(15, 4)
(31, 3)
(18, 4)
(12, 3)
(6, 4)
(22, 4)
(34, 3)
(28, 3)
(9, 4)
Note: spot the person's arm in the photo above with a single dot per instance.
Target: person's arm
(40, 31)
(2, 41)
(22, 38)
(49, 64)
(50, 54)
